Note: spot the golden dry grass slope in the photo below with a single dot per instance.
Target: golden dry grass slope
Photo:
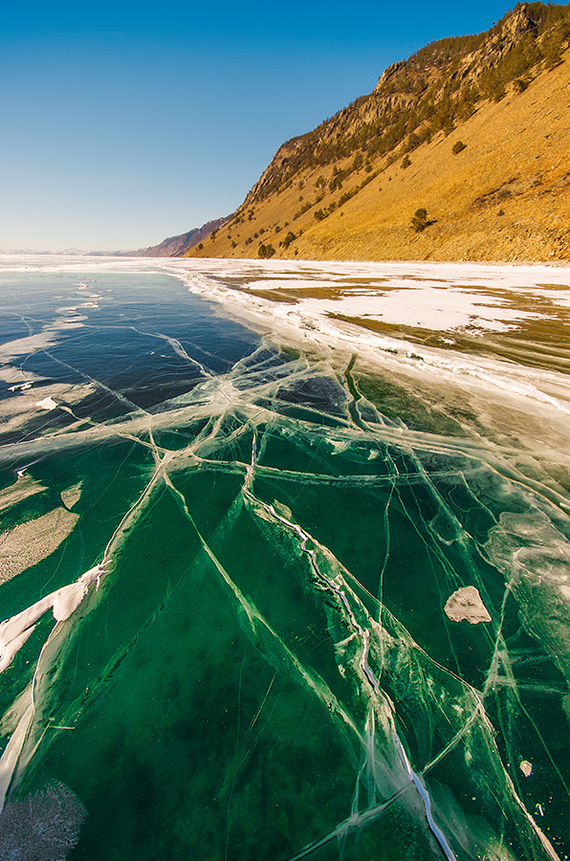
(475, 131)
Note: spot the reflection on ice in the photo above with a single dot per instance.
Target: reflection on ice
(245, 626)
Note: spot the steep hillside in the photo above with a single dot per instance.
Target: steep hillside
(460, 152)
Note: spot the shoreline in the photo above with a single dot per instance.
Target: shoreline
(479, 372)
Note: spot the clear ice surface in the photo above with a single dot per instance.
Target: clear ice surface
(240, 564)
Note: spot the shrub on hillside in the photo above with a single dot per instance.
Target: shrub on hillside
(419, 220)
(458, 147)
(521, 84)
(265, 250)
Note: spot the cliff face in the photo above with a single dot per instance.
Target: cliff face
(470, 131)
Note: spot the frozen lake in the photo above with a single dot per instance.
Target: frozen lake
(284, 560)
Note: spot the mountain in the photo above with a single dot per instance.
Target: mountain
(461, 151)
(67, 252)
(175, 246)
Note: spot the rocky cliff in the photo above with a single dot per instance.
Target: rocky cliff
(460, 152)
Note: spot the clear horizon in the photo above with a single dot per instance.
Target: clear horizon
(123, 128)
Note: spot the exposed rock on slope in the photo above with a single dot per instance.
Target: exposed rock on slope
(470, 131)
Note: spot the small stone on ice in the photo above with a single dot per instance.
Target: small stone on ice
(466, 603)
(526, 768)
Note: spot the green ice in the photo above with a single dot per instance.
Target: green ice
(260, 665)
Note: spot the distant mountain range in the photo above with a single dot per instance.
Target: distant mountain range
(176, 246)
(460, 152)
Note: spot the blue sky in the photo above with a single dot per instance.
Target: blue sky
(125, 122)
